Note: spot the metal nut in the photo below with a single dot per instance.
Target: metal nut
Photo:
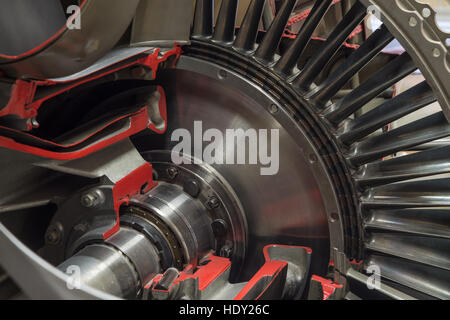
(213, 202)
(92, 199)
(226, 251)
(172, 172)
(53, 235)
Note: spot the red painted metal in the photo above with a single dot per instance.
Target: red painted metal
(216, 266)
(138, 181)
(205, 274)
(270, 269)
(23, 105)
(208, 273)
(328, 286)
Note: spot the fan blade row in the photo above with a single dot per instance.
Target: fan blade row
(423, 278)
(393, 72)
(433, 222)
(403, 138)
(405, 103)
(404, 201)
(365, 53)
(288, 61)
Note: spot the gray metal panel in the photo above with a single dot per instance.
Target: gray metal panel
(162, 22)
(27, 24)
(37, 278)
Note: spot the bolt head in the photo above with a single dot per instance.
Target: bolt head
(88, 200)
(213, 202)
(219, 227)
(92, 199)
(226, 251)
(273, 109)
(53, 234)
(192, 188)
(172, 172)
(52, 237)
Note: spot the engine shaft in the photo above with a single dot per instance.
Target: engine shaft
(118, 266)
(161, 229)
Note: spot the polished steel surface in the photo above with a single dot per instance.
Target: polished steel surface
(115, 162)
(421, 221)
(287, 207)
(299, 260)
(385, 290)
(32, 28)
(426, 250)
(36, 277)
(120, 266)
(104, 268)
(185, 217)
(217, 196)
(429, 280)
(139, 250)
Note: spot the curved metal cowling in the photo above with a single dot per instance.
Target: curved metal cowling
(50, 49)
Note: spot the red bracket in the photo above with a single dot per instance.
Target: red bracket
(268, 282)
(328, 286)
(205, 274)
(138, 181)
